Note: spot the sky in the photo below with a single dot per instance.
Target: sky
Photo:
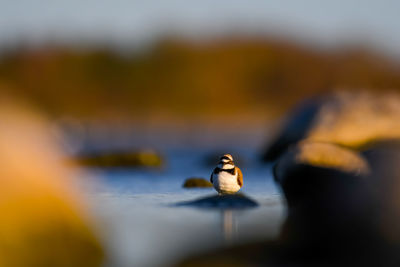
(374, 23)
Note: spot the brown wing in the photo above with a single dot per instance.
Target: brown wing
(239, 177)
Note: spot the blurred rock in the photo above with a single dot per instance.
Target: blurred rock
(43, 218)
(343, 206)
(384, 159)
(196, 183)
(236, 201)
(134, 159)
(327, 191)
(319, 155)
(351, 119)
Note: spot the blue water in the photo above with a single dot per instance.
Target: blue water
(142, 227)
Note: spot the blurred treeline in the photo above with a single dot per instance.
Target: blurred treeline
(230, 76)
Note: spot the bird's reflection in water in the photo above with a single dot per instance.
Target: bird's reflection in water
(229, 227)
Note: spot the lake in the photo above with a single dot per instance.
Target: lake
(142, 226)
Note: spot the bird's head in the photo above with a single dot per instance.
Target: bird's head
(226, 162)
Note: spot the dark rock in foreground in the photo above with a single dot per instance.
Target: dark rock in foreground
(350, 119)
(311, 172)
(236, 201)
(328, 195)
(134, 159)
(197, 183)
(384, 180)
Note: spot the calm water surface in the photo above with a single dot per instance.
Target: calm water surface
(144, 228)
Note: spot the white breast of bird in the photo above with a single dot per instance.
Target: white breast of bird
(225, 182)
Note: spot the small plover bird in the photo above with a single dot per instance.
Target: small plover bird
(226, 177)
